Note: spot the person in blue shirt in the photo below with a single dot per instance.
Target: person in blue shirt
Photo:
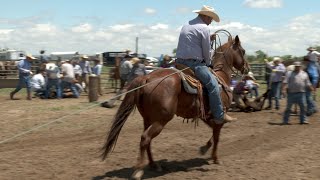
(194, 50)
(97, 69)
(24, 67)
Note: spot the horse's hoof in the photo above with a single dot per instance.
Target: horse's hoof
(203, 150)
(217, 162)
(137, 175)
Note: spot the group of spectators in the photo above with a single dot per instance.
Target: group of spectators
(56, 79)
(296, 82)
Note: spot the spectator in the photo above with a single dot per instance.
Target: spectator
(97, 71)
(38, 84)
(312, 68)
(77, 70)
(68, 78)
(43, 58)
(166, 62)
(53, 80)
(86, 70)
(24, 67)
(252, 85)
(278, 70)
(239, 92)
(295, 84)
(125, 69)
(138, 69)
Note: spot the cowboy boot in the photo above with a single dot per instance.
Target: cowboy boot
(29, 97)
(12, 94)
(228, 119)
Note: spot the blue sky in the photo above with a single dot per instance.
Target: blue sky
(277, 27)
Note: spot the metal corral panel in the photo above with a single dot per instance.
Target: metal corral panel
(9, 83)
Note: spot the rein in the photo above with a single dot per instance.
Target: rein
(215, 42)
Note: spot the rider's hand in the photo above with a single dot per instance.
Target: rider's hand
(213, 37)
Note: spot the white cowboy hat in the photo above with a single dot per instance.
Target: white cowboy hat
(208, 11)
(29, 56)
(297, 63)
(277, 59)
(250, 75)
(84, 56)
(311, 49)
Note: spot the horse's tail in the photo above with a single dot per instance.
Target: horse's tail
(126, 107)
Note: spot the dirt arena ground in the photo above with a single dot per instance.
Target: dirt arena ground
(67, 137)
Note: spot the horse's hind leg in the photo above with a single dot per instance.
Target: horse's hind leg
(216, 135)
(151, 132)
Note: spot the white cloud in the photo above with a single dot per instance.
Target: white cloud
(122, 27)
(263, 3)
(159, 26)
(155, 39)
(82, 28)
(150, 11)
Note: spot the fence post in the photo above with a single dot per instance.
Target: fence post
(93, 88)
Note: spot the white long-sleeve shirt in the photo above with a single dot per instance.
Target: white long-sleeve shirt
(37, 82)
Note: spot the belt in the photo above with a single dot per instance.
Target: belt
(195, 60)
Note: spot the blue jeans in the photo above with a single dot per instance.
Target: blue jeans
(295, 98)
(275, 92)
(57, 84)
(208, 80)
(311, 105)
(23, 80)
(65, 84)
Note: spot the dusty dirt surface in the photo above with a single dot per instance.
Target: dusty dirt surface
(63, 137)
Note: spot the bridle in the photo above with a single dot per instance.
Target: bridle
(216, 51)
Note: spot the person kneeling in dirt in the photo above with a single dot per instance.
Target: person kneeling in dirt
(239, 93)
(243, 103)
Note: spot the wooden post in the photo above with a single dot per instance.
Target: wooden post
(93, 88)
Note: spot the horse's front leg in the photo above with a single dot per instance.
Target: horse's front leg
(216, 136)
(204, 149)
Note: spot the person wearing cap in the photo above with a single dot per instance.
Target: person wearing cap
(276, 77)
(296, 84)
(24, 67)
(86, 70)
(97, 68)
(53, 80)
(194, 50)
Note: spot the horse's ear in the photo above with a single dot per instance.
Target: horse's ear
(230, 39)
(237, 40)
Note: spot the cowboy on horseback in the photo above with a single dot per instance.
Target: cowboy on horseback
(194, 50)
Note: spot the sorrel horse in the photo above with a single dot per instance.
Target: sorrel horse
(160, 95)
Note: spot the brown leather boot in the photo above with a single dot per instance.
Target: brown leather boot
(29, 97)
(227, 118)
(11, 95)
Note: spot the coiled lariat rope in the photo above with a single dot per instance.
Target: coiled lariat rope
(82, 110)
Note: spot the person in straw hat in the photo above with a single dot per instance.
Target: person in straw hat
(138, 69)
(252, 85)
(24, 67)
(194, 51)
(276, 77)
(86, 70)
(313, 70)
